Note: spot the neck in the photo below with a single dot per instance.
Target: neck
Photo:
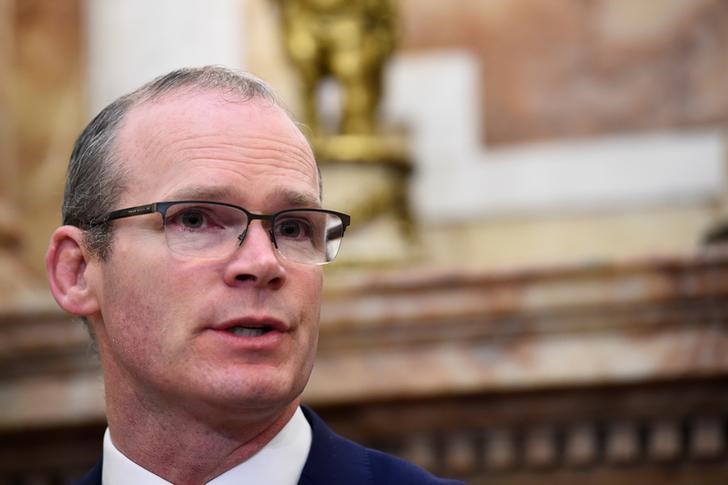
(186, 446)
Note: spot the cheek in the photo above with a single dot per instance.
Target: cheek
(309, 294)
(310, 300)
(303, 297)
(130, 317)
(136, 311)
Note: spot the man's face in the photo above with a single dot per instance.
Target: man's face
(164, 328)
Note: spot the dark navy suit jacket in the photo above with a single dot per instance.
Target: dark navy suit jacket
(334, 460)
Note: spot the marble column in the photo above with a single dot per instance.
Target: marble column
(48, 112)
(132, 41)
(7, 163)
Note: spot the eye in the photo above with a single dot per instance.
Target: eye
(293, 228)
(191, 219)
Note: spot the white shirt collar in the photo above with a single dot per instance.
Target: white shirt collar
(280, 462)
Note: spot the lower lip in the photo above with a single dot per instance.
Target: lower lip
(267, 341)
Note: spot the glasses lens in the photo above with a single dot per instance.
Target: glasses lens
(203, 230)
(308, 236)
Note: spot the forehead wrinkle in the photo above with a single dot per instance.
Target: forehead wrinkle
(254, 141)
(262, 162)
(248, 147)
(255, 150)
(253, 156)
(148, 142)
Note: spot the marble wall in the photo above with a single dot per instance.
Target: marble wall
(574, 67)
(7, 169)
(49, 112)
(41, 111)
(552, 132)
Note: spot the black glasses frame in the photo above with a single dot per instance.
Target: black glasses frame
(162, 207)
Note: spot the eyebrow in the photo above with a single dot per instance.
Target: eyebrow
(290, 198)
(298, 199)
(202, 193)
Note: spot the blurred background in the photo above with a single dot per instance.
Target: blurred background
(535, 287)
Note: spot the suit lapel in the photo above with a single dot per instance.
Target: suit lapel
(93, 477)
(333, 459)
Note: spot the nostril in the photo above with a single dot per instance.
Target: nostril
(275, 283)
(245, 277)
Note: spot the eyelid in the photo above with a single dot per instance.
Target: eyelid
(209, 214)
(177, 210)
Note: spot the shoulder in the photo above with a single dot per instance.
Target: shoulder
(334, 459)
(388, 469)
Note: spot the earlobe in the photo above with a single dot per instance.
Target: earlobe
(66, 264)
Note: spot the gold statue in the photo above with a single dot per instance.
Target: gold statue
(348, 40)
(365, 167)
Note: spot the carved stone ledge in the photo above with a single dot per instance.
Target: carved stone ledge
(600, 431)
(422, 333)
(48, 370)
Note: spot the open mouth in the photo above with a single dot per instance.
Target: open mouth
(249, 331)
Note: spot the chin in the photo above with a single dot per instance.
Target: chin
(258, 393)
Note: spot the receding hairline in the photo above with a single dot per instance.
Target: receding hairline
(225, 96)
(216, 78)
(225, 93)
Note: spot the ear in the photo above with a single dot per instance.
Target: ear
(66, 264)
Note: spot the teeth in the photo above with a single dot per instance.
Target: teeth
(248, 331)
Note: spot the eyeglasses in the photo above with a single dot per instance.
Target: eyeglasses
(212, 230)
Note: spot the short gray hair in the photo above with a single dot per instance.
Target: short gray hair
(96, 178)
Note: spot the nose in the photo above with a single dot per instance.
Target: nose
(255, 262)
(242, 235)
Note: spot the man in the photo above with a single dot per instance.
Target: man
(192, 246)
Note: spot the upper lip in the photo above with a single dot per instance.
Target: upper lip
(253, 322)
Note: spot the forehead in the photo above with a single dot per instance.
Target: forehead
(209, 138)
